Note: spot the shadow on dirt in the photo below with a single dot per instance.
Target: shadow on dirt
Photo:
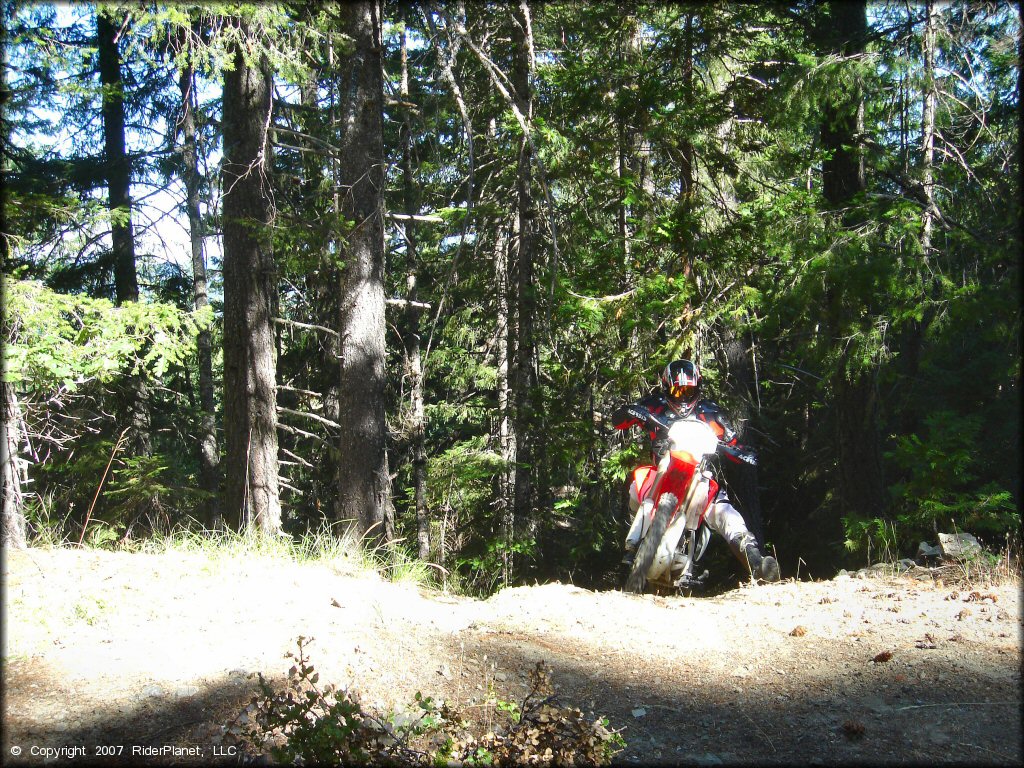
(870, 716)
(692, 718)
(166, 727)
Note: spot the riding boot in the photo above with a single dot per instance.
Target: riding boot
(629, 554)
(764, 567)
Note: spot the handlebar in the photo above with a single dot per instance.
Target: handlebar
(646, 417)
(748, 457)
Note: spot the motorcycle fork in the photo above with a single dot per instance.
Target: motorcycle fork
(689, 550)
(690, 547)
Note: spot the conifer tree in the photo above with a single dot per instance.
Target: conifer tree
(250, 402)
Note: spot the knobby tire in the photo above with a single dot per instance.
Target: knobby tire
(637, 579)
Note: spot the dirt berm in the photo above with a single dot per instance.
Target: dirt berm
(153, 654)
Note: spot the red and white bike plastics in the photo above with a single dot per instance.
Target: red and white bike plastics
(675, 533)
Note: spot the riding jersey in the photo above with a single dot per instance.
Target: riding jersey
(656, 402)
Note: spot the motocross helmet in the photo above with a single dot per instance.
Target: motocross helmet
(680, 381)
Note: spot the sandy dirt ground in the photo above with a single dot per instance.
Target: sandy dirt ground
(146, 657)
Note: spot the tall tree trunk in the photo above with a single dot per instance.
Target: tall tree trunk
(843, 32)
(118, 173)
(687, 171)
(209, 456)
(506, 422)
(12, 535)
(250, 403)
(928, 127)
(412, 319)
(12, 507)
(627, 161)
(522, 349)
(914, 336)
(118, 169)
(364, 485)
(504, 347)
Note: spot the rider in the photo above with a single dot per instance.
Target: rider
(680, 397)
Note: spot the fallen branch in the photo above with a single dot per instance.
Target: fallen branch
(958, 704)
(113, 453)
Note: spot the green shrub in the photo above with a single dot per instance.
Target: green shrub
(941, 489)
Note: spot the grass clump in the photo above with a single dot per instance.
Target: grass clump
(91, 609)
(992, 568)
(338, 545)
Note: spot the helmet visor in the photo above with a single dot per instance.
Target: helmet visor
(683, 392)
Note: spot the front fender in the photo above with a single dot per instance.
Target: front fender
(688, 519)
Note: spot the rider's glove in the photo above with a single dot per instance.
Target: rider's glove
(639, 413)
(660, 447)
(745, 455)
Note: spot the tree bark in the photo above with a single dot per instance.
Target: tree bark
(13, 533)
(13, 526)
(118, 173)
(912, 342)
(522, 349)
(364, 486)
(118, 169)
(209, 455)
(843, 32)
(250, 414)
(506, 423)
(320, 187)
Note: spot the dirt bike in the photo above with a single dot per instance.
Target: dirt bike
(676, 534)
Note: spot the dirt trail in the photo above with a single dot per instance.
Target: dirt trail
(109, 650)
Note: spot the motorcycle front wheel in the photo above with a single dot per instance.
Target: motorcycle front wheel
(637, 579)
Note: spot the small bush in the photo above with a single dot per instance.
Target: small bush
(306, 723)
(944, 484)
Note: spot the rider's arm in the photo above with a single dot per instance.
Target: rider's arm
(728, 443)
(638, 414)
(623, 417)
(715, 417)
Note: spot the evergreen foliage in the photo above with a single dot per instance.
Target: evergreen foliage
(671, 172)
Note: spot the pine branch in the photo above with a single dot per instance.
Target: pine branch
(310, 326)
(313, 416)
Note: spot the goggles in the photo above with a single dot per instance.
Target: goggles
(684, 392)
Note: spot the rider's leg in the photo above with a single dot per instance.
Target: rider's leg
(724, 518)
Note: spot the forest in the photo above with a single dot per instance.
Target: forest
(388, 267)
